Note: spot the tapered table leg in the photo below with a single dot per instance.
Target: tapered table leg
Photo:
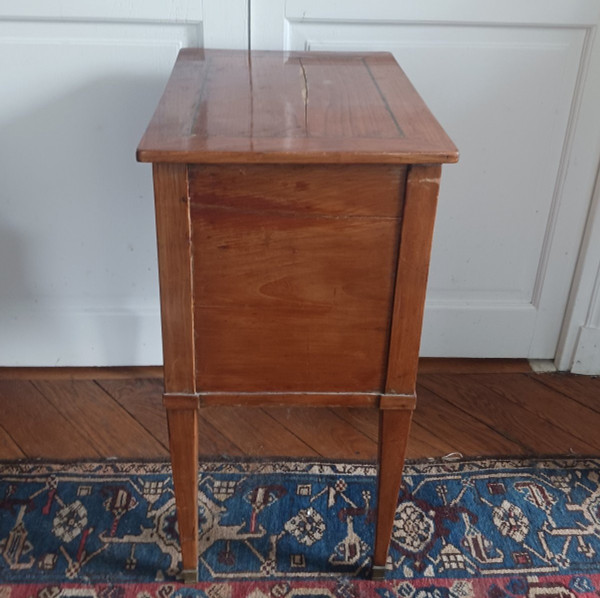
(394, 428)
(183, 442)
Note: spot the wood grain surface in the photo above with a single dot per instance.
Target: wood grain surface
(337, 438)
(583, 389)
(91, 411)
(142, 399)
(547, 403)
(394, 430)
(234, 106)
(418, 220)
(293, 276)
(514, 422)
(175, 275)
(295, 268)
(37, 427)
(183, 446)
(32, 427)
(257, 433)
(444, 421)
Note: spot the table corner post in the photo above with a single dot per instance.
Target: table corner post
(418, 216)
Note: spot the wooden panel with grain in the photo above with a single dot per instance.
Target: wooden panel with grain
(409, 111)
(272, 107)
(345, 102)
(300, 190)
(291, 293)
(310, 399)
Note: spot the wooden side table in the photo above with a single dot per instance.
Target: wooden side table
(295, 202)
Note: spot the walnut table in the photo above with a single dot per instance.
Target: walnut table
(295, 201)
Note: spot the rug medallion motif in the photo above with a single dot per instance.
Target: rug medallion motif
(510, 528)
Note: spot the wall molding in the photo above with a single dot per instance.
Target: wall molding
(575, 13)
(81, 336)
(172, 11)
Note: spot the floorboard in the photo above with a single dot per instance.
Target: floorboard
(327, 433)
(423, 443)
(578, 420)
(362, 419)
(256, 432)
(582, 389)
(519, 424)
(470, 407)
(142, 399)
(463, 431)
(8, 447)
(37, 427)
(439, 365)
(107, 427)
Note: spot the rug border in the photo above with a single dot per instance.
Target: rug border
(321, 466)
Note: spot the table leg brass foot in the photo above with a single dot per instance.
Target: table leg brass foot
(189, 575)
(377, 572)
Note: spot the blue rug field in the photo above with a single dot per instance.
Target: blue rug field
(493, 527)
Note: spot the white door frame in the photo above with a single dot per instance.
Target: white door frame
(578, 347)
(579, 344)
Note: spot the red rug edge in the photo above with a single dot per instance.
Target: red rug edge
(524, 586)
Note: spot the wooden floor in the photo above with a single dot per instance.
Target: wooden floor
(491, 407)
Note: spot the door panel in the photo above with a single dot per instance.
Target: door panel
(80, 80)
(504, 84)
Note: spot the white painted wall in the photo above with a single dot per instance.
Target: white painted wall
(516, 84)
(80, 80)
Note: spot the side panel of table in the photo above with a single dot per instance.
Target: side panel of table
(294, 270)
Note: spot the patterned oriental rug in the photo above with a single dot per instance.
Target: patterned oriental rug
(496, 528)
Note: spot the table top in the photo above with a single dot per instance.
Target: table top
(229, 106)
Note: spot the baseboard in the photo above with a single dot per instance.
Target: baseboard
(587, 352)
(66, 337)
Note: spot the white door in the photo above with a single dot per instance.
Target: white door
(506, 80)
(80, 80)
(514, 82)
